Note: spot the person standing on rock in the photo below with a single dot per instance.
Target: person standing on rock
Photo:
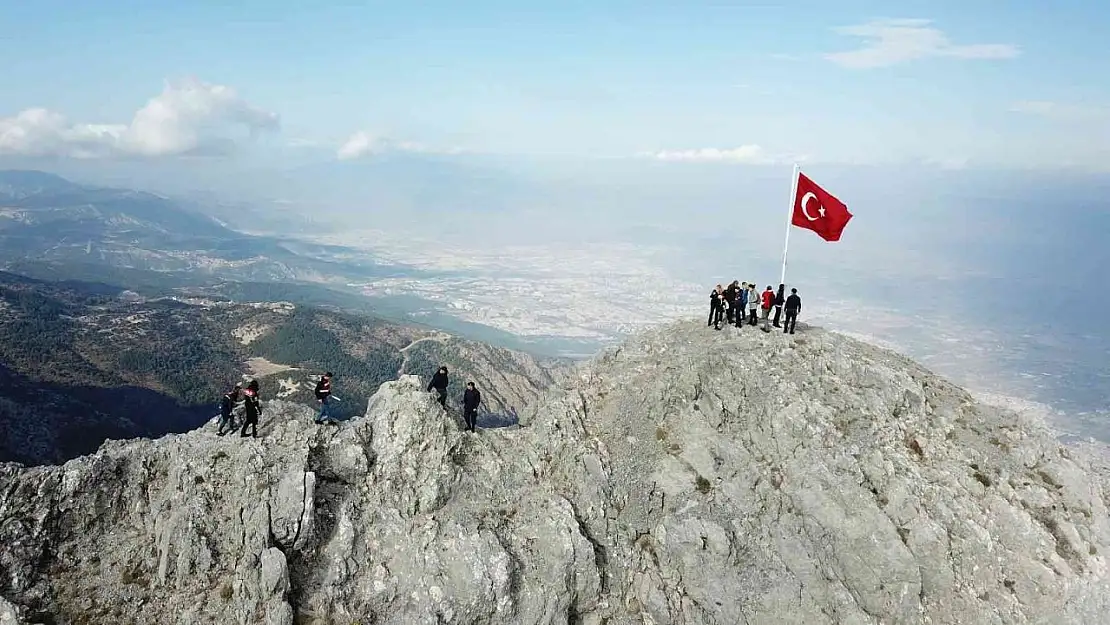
(793, 307)
(439, 383)
(767, 303)
(227, 405)
(753, 303)
(472, 398)
(725, 311)
(252, 408)
(323, 394)
(740, 304)
(715, 308)
(780, 298)
(730, 301)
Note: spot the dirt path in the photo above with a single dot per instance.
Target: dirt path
(440, 337)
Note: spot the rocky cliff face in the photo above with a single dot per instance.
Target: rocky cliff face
(688, 477)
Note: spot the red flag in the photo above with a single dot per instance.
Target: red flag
(817, 210)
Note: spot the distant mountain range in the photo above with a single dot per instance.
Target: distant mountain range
(82, 362)
(48, 221)
(56, 230)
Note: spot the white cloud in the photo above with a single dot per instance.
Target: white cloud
(749, 153)
(744, 154)
(1061, 111)
(188, 117)
(362, 144)
(889, 42)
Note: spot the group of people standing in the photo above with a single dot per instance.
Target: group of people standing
(740, 302)
(252, 407)
(252, 410)
(252, 404)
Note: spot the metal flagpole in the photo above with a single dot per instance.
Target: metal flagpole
(789, 219)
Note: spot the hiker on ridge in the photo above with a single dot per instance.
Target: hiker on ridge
(715, 308)
(472, 398)
(741, 304)
(730, 301)
(227, 405)
(780, 297)
(793, 307)
(252, 408)
(767, 303)
(439, 383)
(753, 304)
(323, 394)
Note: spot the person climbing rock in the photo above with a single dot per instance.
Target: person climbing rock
(780, 297)
(227, 405)
(323, 395)
(439, 383)
(472, 398)
(793, 307)
(252, 409)
(768, 302)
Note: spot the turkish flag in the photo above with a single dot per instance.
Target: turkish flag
(818, 210)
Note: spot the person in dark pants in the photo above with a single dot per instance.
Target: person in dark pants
(227, 404)
(439, 383)
(753, 304)
(793, 307)
(252, 409)
(323, 394)
(472, 398)
(780, 298)
(730, 301)
(715, 308)
(741, 304)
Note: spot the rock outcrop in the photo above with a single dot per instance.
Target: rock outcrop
(689, 476)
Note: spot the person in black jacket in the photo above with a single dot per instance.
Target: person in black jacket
(439, 383)
(472, 398)
(730, 300)
(780, 298)
(716, 307)
(252, 408)
(227, 404)
(793, 307)
(323, 394)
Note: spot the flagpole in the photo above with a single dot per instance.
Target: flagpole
(789, 219)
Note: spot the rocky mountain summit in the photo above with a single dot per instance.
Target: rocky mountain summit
(689, 476)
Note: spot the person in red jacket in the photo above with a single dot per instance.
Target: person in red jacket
(768, 304)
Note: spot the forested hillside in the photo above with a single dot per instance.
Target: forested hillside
(82, 362)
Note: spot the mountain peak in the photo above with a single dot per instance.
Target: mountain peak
(687, 476)
(21, 183)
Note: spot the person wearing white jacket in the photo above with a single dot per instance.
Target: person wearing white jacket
(753, 304)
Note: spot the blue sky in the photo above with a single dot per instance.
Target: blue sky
(958, 83)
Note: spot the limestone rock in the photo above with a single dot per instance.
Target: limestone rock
(9, 614)
(689, 476)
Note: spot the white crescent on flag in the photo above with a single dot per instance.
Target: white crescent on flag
(805, 206)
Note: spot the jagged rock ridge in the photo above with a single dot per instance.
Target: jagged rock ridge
(689, 476)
